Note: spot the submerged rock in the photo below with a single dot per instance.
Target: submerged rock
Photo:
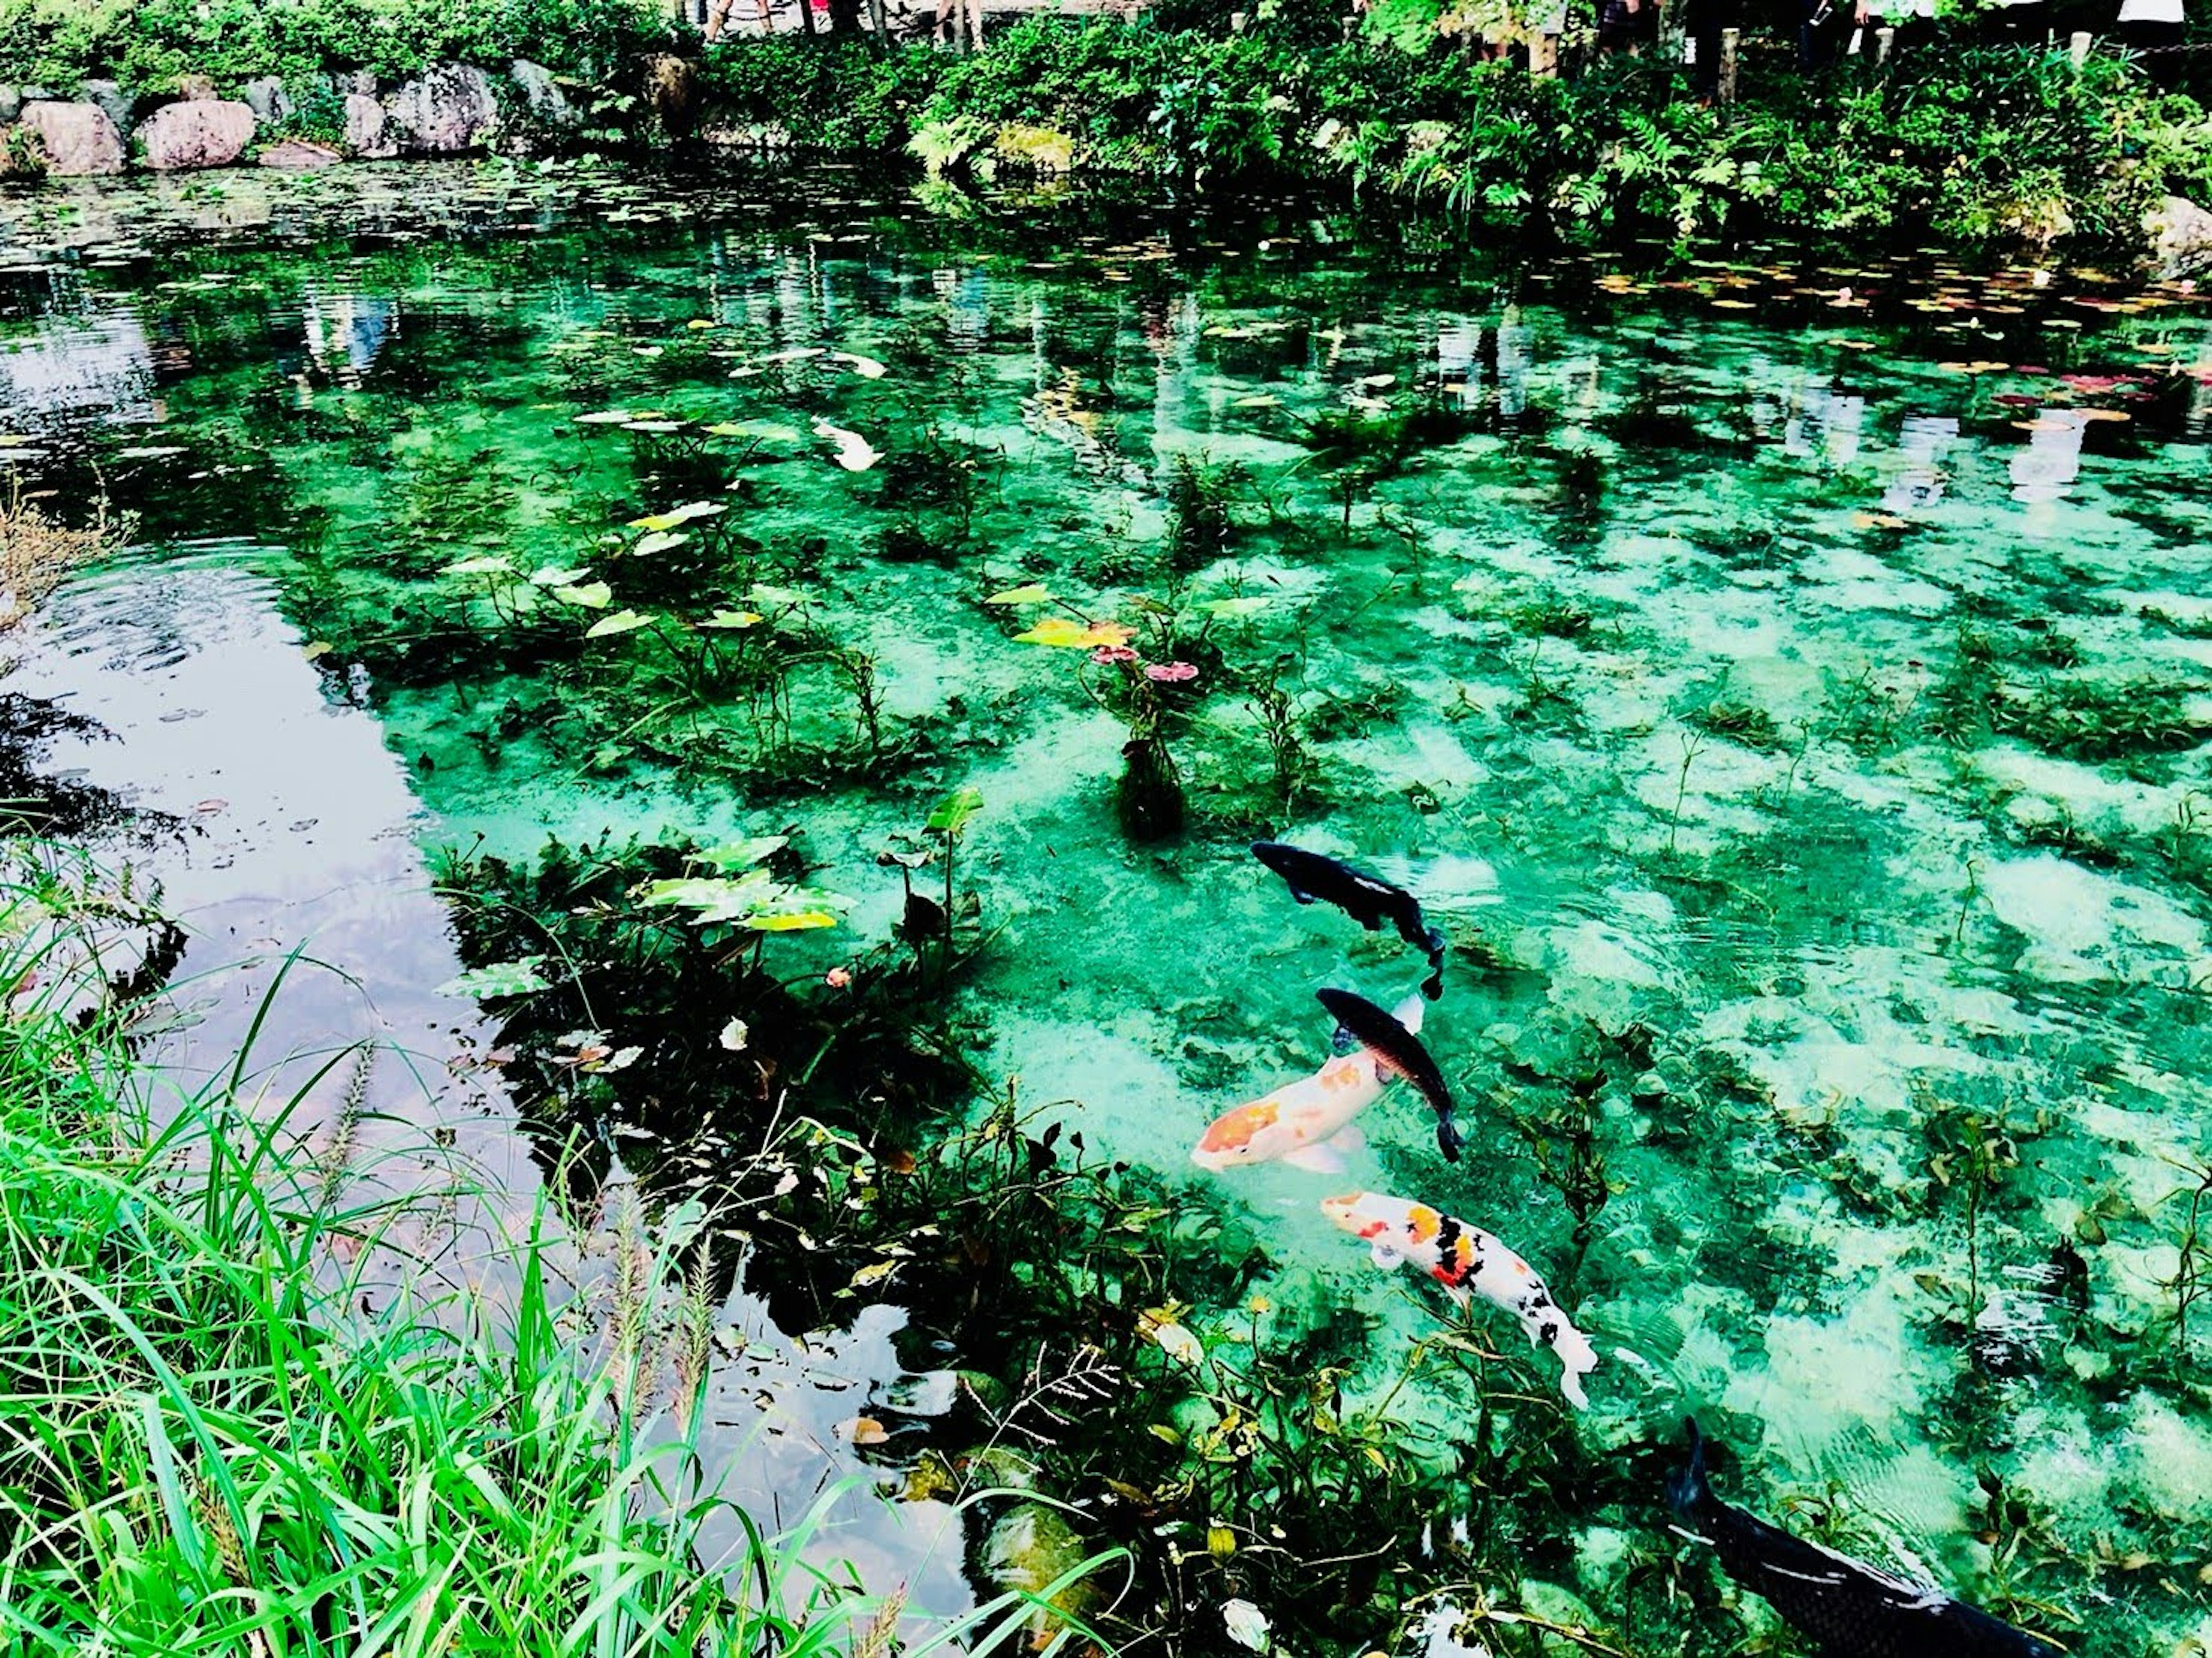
(204, 132)
(1031, 1549)
(447, 111)
(77, 140)
(2180, 235)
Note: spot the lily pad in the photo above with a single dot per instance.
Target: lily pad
(1067, 633)
(592, 595)
(660, 541)
(1035, 593)
(739, 854)
(731, 619)
(854, 453)
(516, 978)
(621, 621)
(479, 567)
(675, 515)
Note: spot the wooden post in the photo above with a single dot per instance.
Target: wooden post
(974, 25)
(1884, 39)
(2077, 47)
(806, 18)
(882, 23)
(1724, 88)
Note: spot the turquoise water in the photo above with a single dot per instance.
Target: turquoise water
(1785, 685)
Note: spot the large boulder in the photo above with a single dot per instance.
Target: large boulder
(448, 110)
(2180, 236)
(204, 132)
(266, 97)
(77, 140)
(367, 131)
(540, 95)
(670, 86)
(117, 105)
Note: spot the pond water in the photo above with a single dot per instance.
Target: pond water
(1786, 686)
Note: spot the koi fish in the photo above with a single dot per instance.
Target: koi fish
(1397, 1051)
(1849, 1608)
(1367, 899)
(1467, 1261)
(1307, 1123)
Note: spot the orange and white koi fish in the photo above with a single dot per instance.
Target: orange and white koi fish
(1307, 1123)
(1467, 1261)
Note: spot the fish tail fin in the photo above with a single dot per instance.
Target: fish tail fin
(1433, 985)
(1448, 1139)
(1687, 1487)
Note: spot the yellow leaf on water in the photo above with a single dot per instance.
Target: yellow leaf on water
(867, 1431)
(1035, 593)
(1067, 633)
(800, 922)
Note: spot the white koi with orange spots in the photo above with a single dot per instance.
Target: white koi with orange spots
(1307, 1123)
(1467, 1261)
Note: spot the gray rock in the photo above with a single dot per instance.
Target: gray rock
(298, 155)
(266, 97)
(367, 131)
(542, 96)
(2180, 236)
(11, 103)
(77, 140)
(672, 96)
(362, 80)
(193, 87)
(118, 105)
(448, 110)
(200, 132)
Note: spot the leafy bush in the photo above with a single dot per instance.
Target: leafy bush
(148, 44)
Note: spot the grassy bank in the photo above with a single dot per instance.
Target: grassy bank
(1969, 142)
(209, 1441)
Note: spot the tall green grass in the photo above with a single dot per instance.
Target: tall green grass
(226, 1426)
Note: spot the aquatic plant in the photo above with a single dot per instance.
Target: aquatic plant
(1200, 527)
(2192, 1246)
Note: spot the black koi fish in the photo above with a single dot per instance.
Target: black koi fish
(1851, 1610)
(1368, 899)
(1398, 1051)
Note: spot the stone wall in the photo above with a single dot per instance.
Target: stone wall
(449, 109)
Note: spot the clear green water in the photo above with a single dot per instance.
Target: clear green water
(1792, 707)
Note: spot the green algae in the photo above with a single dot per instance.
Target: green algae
(1796, 725)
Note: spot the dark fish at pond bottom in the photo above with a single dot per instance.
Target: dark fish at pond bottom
(1368, 899)
(1851, 1609)
(1398, 1050)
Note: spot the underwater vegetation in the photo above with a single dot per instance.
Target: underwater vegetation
(1787, 723)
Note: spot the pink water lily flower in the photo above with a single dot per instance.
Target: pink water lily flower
(837, 978)
(1106, 655)
(1169, 673)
